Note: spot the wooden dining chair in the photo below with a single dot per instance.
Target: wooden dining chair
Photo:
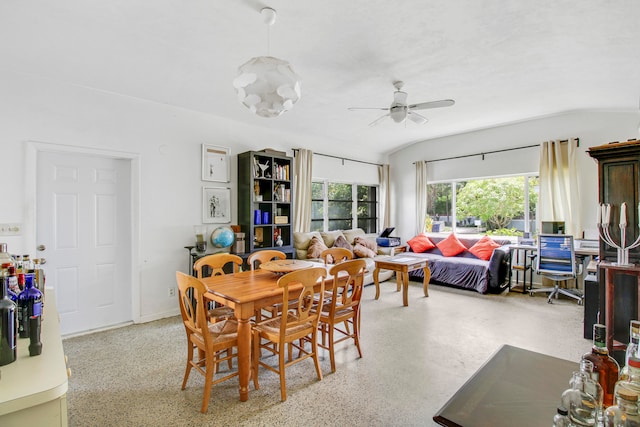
(215, 264)
(259, 257)
(254, 261)
(343, 308)
(294, 327)
(207, 340)
(336, 255)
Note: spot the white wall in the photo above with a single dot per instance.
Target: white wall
(592, 127)
(167, 142)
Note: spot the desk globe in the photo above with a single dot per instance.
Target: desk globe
(222, 237)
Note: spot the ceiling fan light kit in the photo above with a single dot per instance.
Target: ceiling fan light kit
(399, 111)
(267, 86)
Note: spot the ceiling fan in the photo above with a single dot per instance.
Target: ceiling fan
(399, 111)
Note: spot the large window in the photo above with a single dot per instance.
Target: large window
(340, 206)
(500, 206)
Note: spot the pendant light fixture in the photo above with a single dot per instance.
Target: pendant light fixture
(267, 86)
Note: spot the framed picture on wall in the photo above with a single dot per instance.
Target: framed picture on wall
(215, 163)
(216, 205)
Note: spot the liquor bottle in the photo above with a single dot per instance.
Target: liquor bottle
(35, 319)
(605, 367)
(4, 255)
(27, 265)
(625, 412)
(29, 302)
(592, 387)
(580, 405)
(561, 419)
(8, 350)
(13, 280)
(631, 356)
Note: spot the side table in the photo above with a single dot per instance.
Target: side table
(402, 265)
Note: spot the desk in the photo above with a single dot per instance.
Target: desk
(530, 252)
(515, 387)
(245, 292)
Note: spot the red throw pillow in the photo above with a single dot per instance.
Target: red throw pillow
(484, 247)
(420, 243)
(451, 246)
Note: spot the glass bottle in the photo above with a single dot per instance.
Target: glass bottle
(27, 265)
(592, 386)
(625, 412)
(13, 280)
(580, 405)
(632, 350)
(8, 349)
(605, 367)
(5, 257)
(561, 419)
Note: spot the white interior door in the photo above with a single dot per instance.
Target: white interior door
(83, 217)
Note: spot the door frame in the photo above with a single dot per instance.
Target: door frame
(32, 148)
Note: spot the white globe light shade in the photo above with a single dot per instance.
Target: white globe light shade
(267, 86)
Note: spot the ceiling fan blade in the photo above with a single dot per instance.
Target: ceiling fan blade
(367, 108)
(417, 118)
(378, 120)
(432, 104)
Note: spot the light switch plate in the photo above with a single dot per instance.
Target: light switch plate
(10, 229)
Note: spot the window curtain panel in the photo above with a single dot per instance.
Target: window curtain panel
(421, 196)
(559, 190)
(385, 199)
(302, 191)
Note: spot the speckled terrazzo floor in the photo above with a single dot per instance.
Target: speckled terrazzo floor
(415, 358)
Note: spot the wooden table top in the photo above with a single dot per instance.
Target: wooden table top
(251, 286)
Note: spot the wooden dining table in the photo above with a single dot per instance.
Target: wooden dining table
(246, 292)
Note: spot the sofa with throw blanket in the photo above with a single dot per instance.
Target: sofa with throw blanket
(480, 264)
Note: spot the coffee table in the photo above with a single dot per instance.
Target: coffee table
(515, 387)
(402, 265)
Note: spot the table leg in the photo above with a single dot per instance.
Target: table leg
(405, 287)
(425, 282)
(376, 282)
(399, 279)
(244, 357)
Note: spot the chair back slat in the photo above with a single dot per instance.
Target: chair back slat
(348, 283)
(259, 257)
(215, 263)
(336, 255)
(307, 307)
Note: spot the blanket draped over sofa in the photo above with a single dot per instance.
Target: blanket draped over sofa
(466, 270)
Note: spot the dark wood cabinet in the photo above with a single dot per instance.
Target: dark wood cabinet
(618, 182)
(618, 178)
(265, 200)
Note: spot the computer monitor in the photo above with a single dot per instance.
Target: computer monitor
(553, 227)
(556, 254)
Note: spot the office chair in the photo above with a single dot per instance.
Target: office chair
(556, 260)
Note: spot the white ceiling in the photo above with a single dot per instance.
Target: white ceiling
(502, 61)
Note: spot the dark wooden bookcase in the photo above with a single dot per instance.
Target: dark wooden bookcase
(267, 189)
(618, 182)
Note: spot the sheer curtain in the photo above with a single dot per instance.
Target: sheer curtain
(385, 199)
(421, 195)
(559, 190)
(302, 192)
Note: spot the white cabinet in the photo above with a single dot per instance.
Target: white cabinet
(33, 390)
